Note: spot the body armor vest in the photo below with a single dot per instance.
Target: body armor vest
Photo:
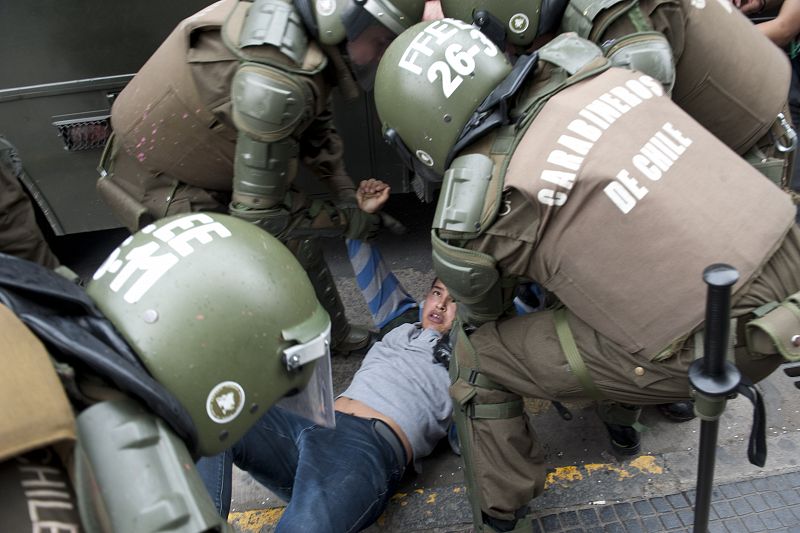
(619, 180)
(181, 126)
(709, 84)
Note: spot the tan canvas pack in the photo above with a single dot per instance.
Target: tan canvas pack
(36, 410)
(737, 109)
(635, 199)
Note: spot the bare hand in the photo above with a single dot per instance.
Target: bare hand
(749, 6)
(372, 194)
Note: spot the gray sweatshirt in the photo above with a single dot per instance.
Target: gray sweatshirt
(399, 379)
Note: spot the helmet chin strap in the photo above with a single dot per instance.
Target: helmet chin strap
(493, 111)
(551, 15)
(306, 11)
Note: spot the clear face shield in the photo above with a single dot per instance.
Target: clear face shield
(315, 401)
(367, 40)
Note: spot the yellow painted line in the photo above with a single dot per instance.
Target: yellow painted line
(253, 521)
(647, 464)
(644, 464)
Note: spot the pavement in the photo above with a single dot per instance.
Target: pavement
(589, 489)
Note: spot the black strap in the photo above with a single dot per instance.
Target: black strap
(757, 447)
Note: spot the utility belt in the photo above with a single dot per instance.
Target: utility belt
(465, 375)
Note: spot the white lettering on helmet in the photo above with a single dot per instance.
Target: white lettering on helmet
(458, 62)
(145, 265)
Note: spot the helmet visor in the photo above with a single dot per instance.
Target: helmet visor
(367, 40)
(315, 401)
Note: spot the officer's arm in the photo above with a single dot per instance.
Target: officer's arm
(270, 108)
(322, 151)
(472, 277)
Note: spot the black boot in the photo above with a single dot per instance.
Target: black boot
(682, 411)
(345, 337)
(625, 440)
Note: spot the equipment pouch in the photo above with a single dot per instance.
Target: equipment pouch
(462, 392)
(777, 331)
(132, 213)
(772, 167)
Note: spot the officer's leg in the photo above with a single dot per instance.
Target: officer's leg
(504, 462)
(622, 422)
(20, 235)
(345, 337)
(525, 355)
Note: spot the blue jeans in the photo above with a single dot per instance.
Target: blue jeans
(335, 480)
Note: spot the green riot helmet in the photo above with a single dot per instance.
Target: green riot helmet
(522, 20)
(430, 82)
(223, 316)
(363, 27)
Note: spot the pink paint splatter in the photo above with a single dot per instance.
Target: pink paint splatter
(141, 157)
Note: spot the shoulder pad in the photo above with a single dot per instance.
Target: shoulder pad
(570, 52)
(463, 194)
(580, 14)
(268, 103)
(647, 52)
(271, 32)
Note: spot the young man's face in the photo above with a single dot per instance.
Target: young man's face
(438, 309)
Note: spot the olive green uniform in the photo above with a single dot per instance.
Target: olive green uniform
(175, 140)
(20, 235)
(606, 196)
(728, 76)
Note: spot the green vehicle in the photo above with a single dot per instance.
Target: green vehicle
(63, 65)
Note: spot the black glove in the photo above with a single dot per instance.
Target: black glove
(443, 350)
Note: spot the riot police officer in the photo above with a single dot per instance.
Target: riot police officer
(165, 357)
(20, 235)
(696, 49)
(220, 117)
(588, 179)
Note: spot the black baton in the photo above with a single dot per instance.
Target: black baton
(713, 378)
